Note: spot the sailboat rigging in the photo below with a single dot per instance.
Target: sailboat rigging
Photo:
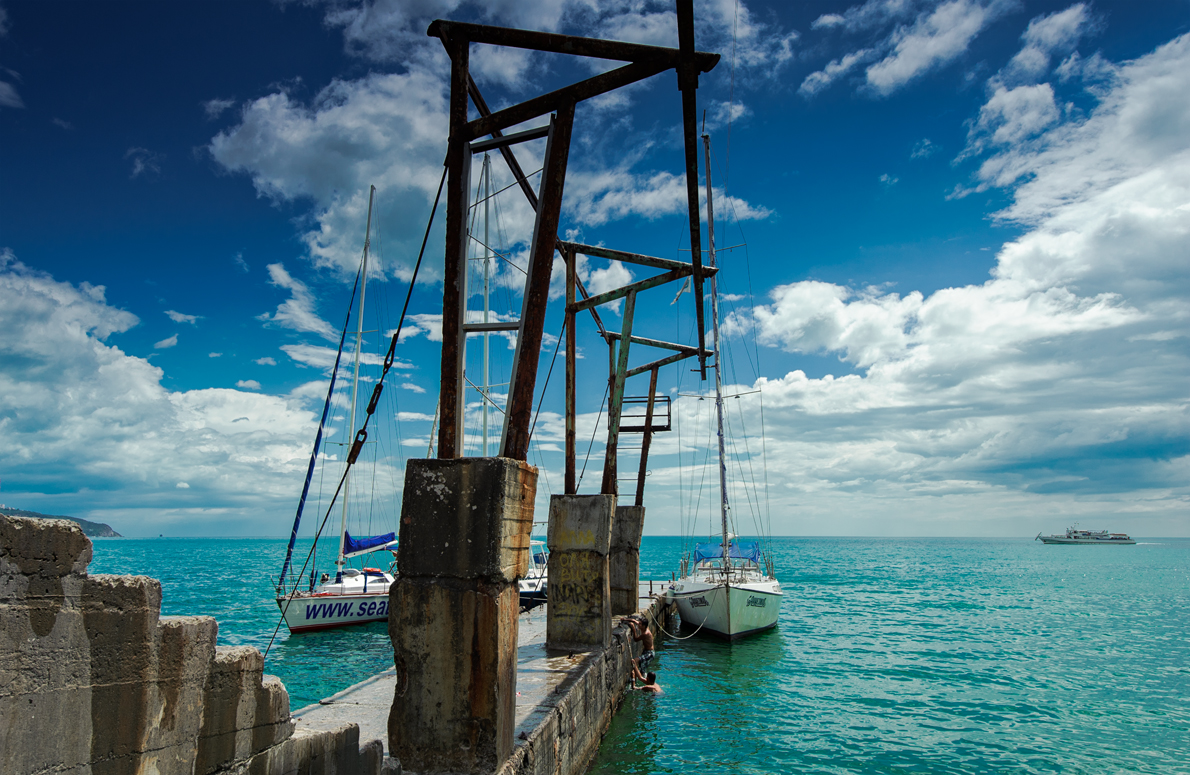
(726, 588)
(353, 596)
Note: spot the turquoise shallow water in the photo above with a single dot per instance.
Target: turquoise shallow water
(891, 655)
(932, 656)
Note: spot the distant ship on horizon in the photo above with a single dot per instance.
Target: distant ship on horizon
(1075, 536)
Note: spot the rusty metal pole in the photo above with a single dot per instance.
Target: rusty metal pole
(688, 84)
(454, 299)
(648, 437)
(537, 287)
(615, 402)
(571, 377)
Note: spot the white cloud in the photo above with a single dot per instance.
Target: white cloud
(248, 384)
(266, 361)
(215, 108)
(1011, 116)
(1046, 36)
(297, 312)
(936, 38)
(412, 387)
(888, 181)
(595, 198)
(178, 317)
(144, 162)
(923, 149)
(817, 81)
(414, 416)
(182, 486)
(9, 98)
(214, 355)
(92, 432)
(166, 343)
(1057, 385)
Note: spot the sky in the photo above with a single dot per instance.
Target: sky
(956, 300)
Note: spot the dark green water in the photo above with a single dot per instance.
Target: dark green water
(891, 656)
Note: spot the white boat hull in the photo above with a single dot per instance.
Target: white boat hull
(728, 611)
(309, 612)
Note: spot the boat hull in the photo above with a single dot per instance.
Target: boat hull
(1087, 541)
(312, 612)
(728, 611)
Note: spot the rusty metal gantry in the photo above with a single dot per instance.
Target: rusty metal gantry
(643, 62)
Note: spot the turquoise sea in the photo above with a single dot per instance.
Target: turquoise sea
(891, 656)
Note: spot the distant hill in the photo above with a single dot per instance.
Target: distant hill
(91, 529)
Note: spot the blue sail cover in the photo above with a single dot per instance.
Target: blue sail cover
(353, 546)
(740, 550)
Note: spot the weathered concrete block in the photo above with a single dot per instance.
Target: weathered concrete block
(578, 616)
(455, 649)
(624, 560)
(45, 708)
(467, 518)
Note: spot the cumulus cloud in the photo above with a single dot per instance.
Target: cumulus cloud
(179, 317)
(266, 361)
(248, 384)
(78, 412)
(1063, 375)
(166, 343)
(412, 387)
(1045, 36)
(297, 312)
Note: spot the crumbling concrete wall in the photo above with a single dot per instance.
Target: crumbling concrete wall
(567, 739)
(93, 680)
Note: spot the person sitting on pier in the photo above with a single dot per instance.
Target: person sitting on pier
(650, 683)
(642, 633)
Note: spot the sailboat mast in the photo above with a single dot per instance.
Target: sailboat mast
(359, 339)
(706, 145)
(487, 257)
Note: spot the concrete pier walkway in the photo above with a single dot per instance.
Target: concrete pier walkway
(539, 678)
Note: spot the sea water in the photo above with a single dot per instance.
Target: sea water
(890, 656)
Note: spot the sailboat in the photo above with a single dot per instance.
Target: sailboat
(727, 587)
(352, 595)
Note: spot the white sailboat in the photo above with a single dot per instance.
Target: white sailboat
(352, 595)
(727, 588)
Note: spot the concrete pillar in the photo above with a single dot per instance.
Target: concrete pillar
(578, 607)
(465, 526)
(624, 559)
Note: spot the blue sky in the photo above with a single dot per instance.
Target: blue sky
(963, 292)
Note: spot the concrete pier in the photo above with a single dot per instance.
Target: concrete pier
(624, 558)
(564, 701)
(465, 526)
(579, 611)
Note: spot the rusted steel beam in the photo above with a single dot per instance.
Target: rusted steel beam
(509, 157)
(583, 90)
(512, 325)
(657, 343)
(515, 443)
(566, 44)
(641, 285)
(644, 444)
(620, 255)
(690, 353)
(479, 146)
(454, 298)
(688, 84)
(571, 487)
(615, 399)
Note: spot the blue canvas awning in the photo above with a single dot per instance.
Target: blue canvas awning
(355, 546)
(740, 550)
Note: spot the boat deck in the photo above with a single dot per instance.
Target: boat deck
(367, 703)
